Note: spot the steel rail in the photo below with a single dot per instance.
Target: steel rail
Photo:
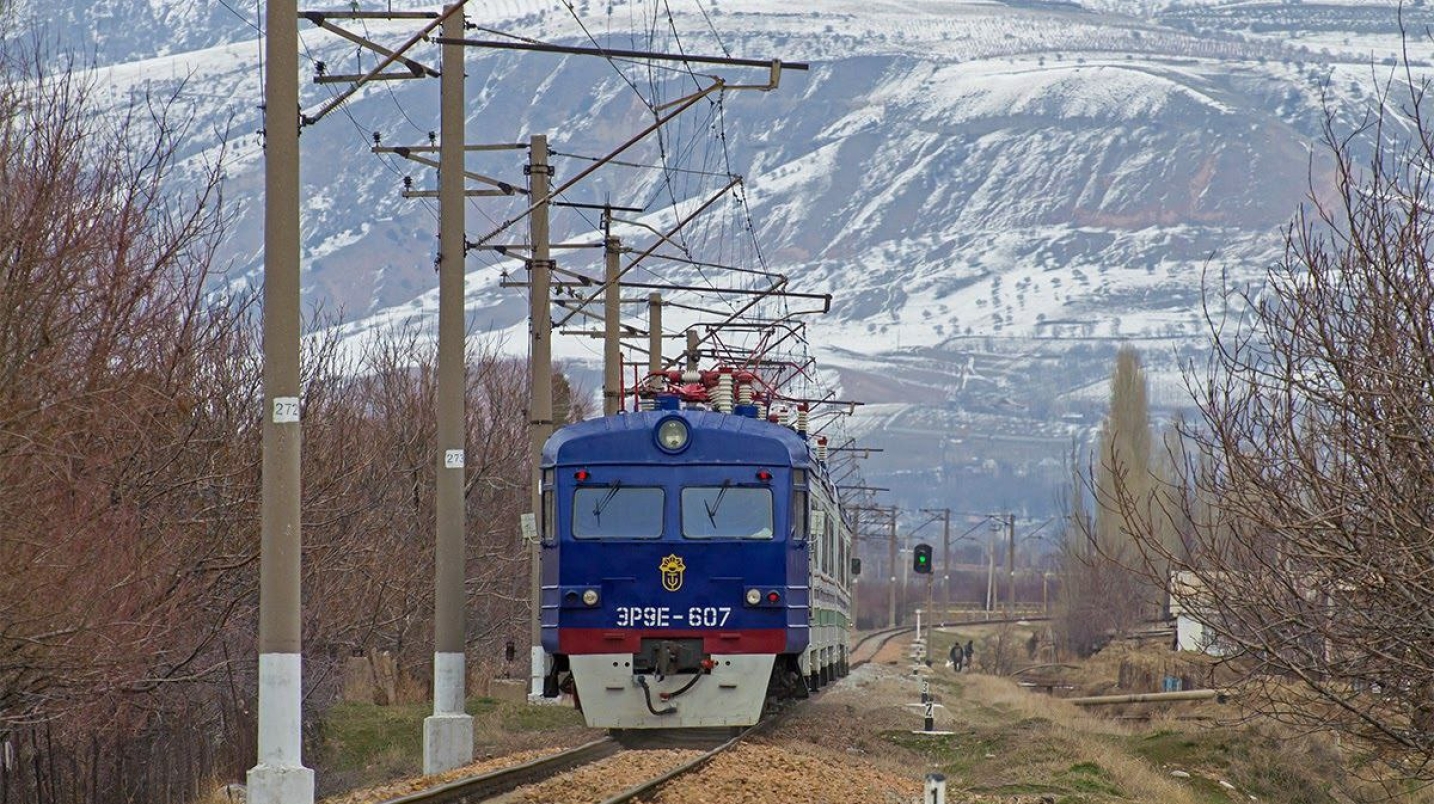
(633, 793)
(636, 792)
(505, 780)
(885, 635)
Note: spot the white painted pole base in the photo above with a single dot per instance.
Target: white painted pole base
(538, 673)
(447, 743)
(268, 784)
(280, 777)
(448, 733)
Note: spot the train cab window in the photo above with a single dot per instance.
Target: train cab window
(617, 512)
(799, 515)
(726, 512)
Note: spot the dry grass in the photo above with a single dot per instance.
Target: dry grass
(1015, 745)
(1070, 739)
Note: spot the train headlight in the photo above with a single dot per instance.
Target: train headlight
(754, 596)
(590, 597)
(672, 434)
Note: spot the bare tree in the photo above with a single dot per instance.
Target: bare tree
(1308, 527)
(120, 388)
(127, 482)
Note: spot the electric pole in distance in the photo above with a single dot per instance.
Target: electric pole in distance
(891, 562)
(1010, 565)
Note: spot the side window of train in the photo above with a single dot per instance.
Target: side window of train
(548, 526)
(822, 563)
(799, 514)
(547, 529)
(817, 523)
(828, 534)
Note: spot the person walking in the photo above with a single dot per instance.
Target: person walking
(956, 656)
(969, 651)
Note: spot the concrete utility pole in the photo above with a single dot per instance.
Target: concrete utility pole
(855, 551)
(891, 561)
(448, 733)
(654, 332)
(946, 557)
(693, 342)
(540, 417)
(611, 324)
(1010, 564)
(991, 569)
(279, 777)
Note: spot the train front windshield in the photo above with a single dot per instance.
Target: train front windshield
(726, 512)
(617, 512)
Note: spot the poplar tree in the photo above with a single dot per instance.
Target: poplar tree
(1108, 585)
(1124, 494)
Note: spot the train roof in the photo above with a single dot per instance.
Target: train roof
(615, 439)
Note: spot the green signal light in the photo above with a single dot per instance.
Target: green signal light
(922, 562)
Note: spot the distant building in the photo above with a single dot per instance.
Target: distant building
(1193, 613)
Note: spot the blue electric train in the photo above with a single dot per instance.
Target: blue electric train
(695, 563)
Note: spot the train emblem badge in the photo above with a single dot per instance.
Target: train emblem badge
(672, 569)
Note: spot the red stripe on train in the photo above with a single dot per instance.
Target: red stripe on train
(629, 640)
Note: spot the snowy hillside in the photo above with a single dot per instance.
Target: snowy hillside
(995, 193)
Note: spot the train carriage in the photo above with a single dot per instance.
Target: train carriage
(695, 562)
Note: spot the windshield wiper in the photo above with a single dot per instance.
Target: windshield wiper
(602, 504)
(717, 503)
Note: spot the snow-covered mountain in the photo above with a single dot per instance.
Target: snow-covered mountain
(995, 192)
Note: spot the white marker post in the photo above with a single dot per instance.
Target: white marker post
(935, 789)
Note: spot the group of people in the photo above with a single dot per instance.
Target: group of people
(961, 655)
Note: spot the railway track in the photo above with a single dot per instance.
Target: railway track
(872, 643)
(495, 785)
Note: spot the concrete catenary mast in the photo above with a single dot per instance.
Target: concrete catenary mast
(540, 405)
(448, 733)
(279, 777)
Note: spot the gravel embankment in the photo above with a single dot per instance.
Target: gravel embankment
(832, 750)
(603, 780)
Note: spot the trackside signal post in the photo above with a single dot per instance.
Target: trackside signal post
(921, 559)
(945, 553)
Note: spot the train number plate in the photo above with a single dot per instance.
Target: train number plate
(666, 617)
